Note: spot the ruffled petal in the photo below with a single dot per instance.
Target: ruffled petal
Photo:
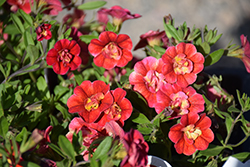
(124, 41)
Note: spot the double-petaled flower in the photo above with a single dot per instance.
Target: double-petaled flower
(111, 50)
(182, 63)
(148, 78)
(177, 101)
(64, 56)
(90, 100)
(191, 134)
(119, 111)
(43, 32)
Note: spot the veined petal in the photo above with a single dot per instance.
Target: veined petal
(200, 143)
(204, 122)
(95, 47)
(208, 135)
(125, 58)
(170, 52)
(190, 50)
(135, 78)
(107, 36)
(124, 41)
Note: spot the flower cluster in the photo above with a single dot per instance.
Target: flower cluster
(74, 94)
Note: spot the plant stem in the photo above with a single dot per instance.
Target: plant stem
(232, 127)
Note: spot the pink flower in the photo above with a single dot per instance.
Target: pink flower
(151, 38)
(245, 57)
(137, 149)
(43, 32)
(43, 147)
(76, 19)
(148, 78)
(90, 100)
(177, 101)
(4, 36)
(191, 134)
(50, 7)
(182, 63)
(111, 50)
(20, 4)
(64, 56)
(119, 111)
(120, 15)
(102, 18)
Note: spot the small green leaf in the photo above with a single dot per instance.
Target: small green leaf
(233, 109)
(56, 149)
(92, 5)
(22, 136)
(205, 48)
(228, 123)
(141, 119)
(2, 2)
(26, 17)
(103, 148)
(213, 57)
(33, 53)
(88, 38)
(3, 71)
(218, 112)
(110, 27)
(145, 130)
(66, 146)
(8, 68)
(28, 40)
(62, 109)
(4, 126)
(171, 32)
(242, 156)
(42, 86)
(212, 163)
(17, 22)
(212, 150)
(78, 77)
(11, 29)
(29, 164)
(209, 36)
(215, 39)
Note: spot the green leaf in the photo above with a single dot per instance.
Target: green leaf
(33, 53)
(28, 40)
(29, 164)
(2, 2)
(212, 163)
(233, 109)
(171, 32)
(205, 48)
(17, 22)
(42, 86)
(66, 146)
(145, 130)
(228, 123)
(100, 70)
(103, 148)
(26, 17)
(62, 109)
(4, 126)
(92, 5)
(22, 136)
(78, 77)
(213, 57)
(110, 27)
(87, 38)
(3, 71)
(141, 119)
(56, 149)
(212, 150)
(209, 36)
(242, 156)
(218, 112)
(11, 29)
(215, 39)
(8, 68)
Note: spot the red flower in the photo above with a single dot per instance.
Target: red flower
(43, 147)
(182, 63)
(111, 50)
(191, 134)
(245, 57)
(148, 78)
(119, 111)
(4, 36)
(120, 14)
(64, 56)
(76, 19)
(137, 149)
(90, 131)
(90, 100)
(43, 32)
(20, 4)
(177, 101)
(151, 38)
(50, 7)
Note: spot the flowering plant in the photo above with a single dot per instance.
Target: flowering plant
(73, 93)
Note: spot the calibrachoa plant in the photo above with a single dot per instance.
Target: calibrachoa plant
(73, 93)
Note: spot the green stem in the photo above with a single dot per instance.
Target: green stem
(242, 141)
(231, 129)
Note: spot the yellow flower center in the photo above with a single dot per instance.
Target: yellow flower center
(94, 101)
(192, 132)
(112, 51)
(182, 65)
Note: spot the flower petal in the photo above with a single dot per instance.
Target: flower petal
(124, 41)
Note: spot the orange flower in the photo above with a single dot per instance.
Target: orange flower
(111, 50)
(182, 63)
(191, 134)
